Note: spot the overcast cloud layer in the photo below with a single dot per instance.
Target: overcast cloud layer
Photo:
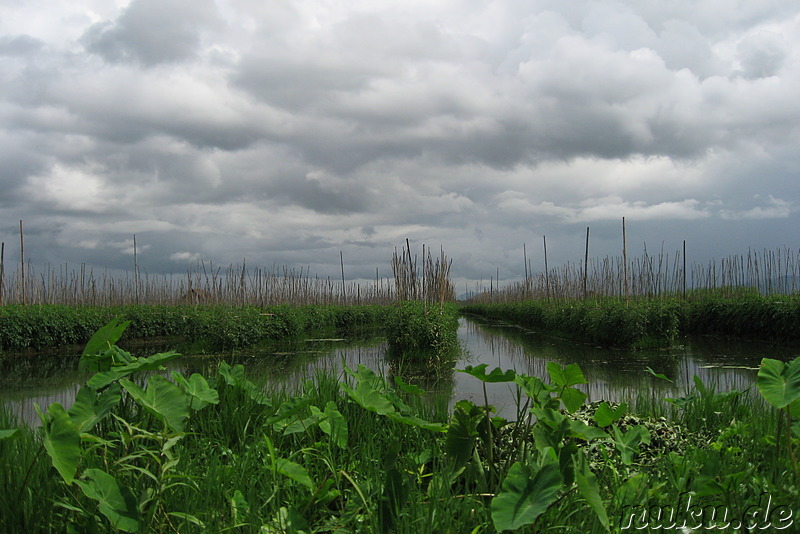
(284, 132)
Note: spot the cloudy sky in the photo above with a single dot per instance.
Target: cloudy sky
(285, 131)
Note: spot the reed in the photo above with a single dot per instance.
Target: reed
(432, 286)
(661, 275)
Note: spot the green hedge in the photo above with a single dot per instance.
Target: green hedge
(222, 327)
(609, 323)
(413, 327)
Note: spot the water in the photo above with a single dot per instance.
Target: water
(613, 375)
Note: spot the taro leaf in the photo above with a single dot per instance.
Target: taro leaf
(90, 407)
(779, 382)
(4, 434)
(566, 377)
(658, 375)
(335, 425)
(116, 502)
(462, 432)
(604, 415)
(586, 481)
(698, 384)
(104, 338)
(628, 443)
(61, 440)
(289, 411)
(369, 398)
(408, 388)
(151, 363)
(536, 389)
(581, 430)
(234, 376)
(240, 508)
(163, 399)
(413, 420)
(572, 398)
(294, 471)
(301, 425)
(525, 495)
(479, 372)
(200, 394)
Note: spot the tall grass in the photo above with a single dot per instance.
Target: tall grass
(234, 285)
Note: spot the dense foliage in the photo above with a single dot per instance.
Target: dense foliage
(414, 326)
(356, 454)
(220, 327)
(642, 324)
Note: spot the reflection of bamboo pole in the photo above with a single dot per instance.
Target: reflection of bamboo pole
(22, 257)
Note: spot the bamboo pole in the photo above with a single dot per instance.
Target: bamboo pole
(22, 257)
(586, 264)
(546, 270)
(625, 262)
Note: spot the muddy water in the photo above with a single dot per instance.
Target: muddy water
(612, 375)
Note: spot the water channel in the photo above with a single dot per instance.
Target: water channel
(612, 375)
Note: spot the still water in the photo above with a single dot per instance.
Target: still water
(613, 375)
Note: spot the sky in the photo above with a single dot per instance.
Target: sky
(287, 132)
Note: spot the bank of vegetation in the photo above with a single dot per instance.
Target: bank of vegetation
(365, 453)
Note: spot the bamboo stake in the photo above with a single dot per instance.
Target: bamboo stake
(586, 264)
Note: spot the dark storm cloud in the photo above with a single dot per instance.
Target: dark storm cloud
(152, 31)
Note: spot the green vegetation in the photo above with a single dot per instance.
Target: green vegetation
(356, 454)
(608, 322)
(414, 327)
(652, 323)
(218, 327)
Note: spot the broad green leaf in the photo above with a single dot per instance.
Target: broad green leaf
(105, 338)
(240, 508)
(566, 377)
(301, 425)
(604, 415)
(335, 425)
(587, 484)
(658, 375)
(200, 394)
(62, 440)
(5, 434)
(294, 471)
(497, 375)
(698, 384)
(408, 388)
(525, 495)
(163, 399)
(581, 430)
(413, 420)
(778, 382)
(628, 443)
(369, 398)
(151, 363)
(572, 398)
(116, 502)
(188, 518)
(90, 407)
(462, 432)
(234, 376)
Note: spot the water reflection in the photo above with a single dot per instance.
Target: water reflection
(613, 375)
